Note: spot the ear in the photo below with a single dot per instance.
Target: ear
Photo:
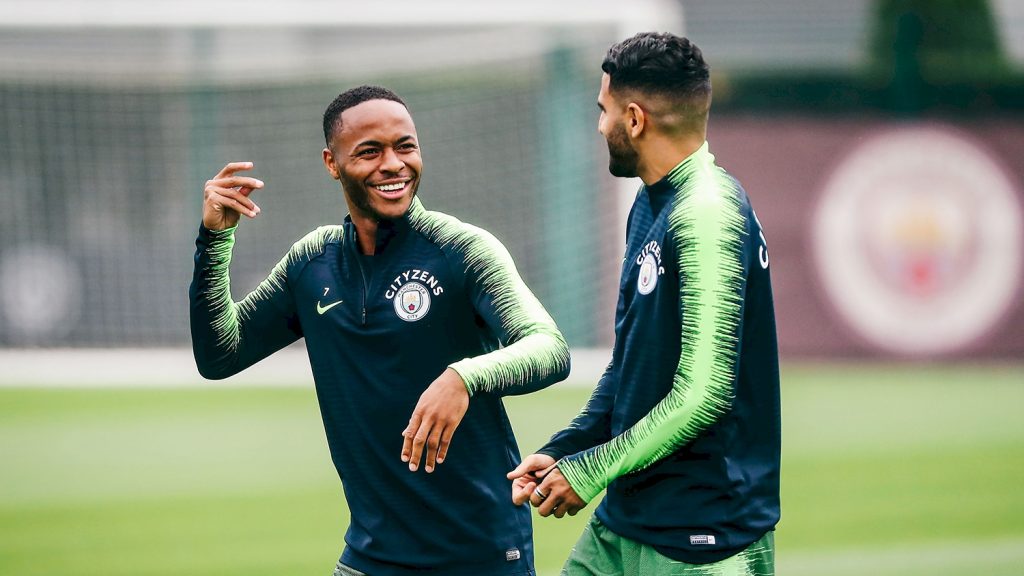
(635, 119)
(329, 164)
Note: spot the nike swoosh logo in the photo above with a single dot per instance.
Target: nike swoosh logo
(320, 309)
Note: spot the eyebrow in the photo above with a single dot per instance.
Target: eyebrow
(378, 144)
(600, 106)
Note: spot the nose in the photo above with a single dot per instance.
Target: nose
(391, 162)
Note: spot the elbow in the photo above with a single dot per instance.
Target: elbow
(211, 373)
(563, 359)
(547, 358)
(566, 365)
(212, 368)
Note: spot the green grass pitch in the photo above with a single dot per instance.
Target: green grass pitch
(887, 470)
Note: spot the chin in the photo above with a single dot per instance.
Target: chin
(620, 171)
(393, 209)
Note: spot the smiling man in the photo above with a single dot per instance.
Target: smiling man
(416, 324)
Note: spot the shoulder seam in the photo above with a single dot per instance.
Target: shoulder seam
(312, 246)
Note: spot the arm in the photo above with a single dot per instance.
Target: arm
(534, 356)
(591, 426)
(708, 236)
(534, 353)
(227, 337)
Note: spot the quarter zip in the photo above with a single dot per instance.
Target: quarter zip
(352, 246)
(362, 274)
(389, 235)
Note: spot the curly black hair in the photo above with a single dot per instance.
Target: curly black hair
(658, 63)
(350, 98)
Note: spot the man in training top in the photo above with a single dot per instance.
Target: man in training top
(683, 428)
(415, 324)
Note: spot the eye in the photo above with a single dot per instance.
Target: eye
(408, 146)
(367, 152)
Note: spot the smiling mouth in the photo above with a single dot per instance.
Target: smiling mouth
(392, 190)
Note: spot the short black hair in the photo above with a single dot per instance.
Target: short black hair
(354, 97)
(658, 63)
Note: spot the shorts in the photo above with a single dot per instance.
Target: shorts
(600, 551)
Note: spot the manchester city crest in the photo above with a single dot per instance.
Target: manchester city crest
(648, 277)
(412, 302)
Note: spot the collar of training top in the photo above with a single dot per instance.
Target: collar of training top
(389, 231)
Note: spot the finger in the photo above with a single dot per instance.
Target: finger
(235, 194)
(523, 494)
(539, 495)
(406, 446)
(543, 473)
(547, 507)
(418, 440)
(408, 433)
(558, 511)
(433, 441)
(526, 494)
(520, 470)
(237, 182)
(529, 465)
(240, 193)
(521, 490)
(446, 441)
(233, 167)
(226, 202)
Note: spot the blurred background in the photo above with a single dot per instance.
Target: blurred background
(881, 143)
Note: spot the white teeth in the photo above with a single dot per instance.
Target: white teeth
(390, 187)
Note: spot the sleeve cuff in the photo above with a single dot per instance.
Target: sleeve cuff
(460, 369)
(216, 234)
(570, 469)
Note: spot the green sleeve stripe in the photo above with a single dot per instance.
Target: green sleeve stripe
(536, 349)
(222, 310)
(227, 316)
(707, 229)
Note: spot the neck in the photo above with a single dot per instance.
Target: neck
(660, 154)
(366, 233)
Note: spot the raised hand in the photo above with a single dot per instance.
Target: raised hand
(434, 420)
(226, 197)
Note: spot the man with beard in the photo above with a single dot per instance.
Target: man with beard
(683, 428)
(404, 312)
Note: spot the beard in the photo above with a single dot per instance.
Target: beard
(622, 158)
(363, 200)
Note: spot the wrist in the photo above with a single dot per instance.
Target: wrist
(216, 232)
(457, 377)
